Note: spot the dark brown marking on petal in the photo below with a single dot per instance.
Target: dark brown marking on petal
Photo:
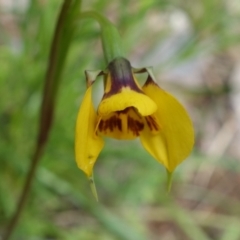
(152, 124)
(135, 126)
(150, 81)
(111, 123)
(100, 126)
(119, 124)
(114, 123)
(148, 123)
(139, 125)
(121, 75)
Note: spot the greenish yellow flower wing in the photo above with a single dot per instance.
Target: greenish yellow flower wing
(176, 138)
(88, 145)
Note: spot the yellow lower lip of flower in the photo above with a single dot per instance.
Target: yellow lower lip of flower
(126, 124)
(123, 125)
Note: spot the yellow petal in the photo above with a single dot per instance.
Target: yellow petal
(125, 99)
(87, 144)
(176, 138)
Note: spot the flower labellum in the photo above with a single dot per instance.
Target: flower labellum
(128, 111)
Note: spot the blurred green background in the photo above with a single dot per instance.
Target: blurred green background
(194, 47)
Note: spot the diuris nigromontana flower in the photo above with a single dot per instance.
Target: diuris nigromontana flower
(128, 111)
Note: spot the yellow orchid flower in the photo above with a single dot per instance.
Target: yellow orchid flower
(128, 111)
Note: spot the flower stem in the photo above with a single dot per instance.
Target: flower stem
(169, 181)
(111, 40)
(56, 62)
(24, 194)
(93, 187)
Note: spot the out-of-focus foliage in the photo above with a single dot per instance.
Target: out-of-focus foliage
(194, 47)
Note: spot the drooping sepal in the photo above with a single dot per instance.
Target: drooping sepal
(176, 137)
(88, 144)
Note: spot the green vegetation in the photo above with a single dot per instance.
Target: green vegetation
(193, 46)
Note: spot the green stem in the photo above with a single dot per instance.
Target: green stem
(169, 180)
(24, 194)
(52, 77)
(111, 40)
